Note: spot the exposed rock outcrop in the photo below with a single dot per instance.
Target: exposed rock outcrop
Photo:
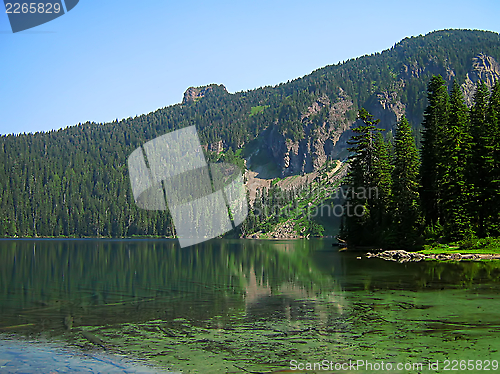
(196, 93)
(387, 107)
(398, 255)
(403, 256)
(216, 147)
(310, 153)
(484, 68)
(329, 139)
(320, 132)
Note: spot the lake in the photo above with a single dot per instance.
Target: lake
(240, 306)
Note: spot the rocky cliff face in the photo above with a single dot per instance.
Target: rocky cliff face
(484, 68)
(309, 120)
(196, 93)
(329, 139)
(311, 152)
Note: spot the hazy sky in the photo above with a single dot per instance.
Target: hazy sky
(109, 59)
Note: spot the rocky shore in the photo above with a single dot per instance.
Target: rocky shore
(403, 256)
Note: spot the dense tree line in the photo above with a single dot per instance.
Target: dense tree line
(74, 181)
(449, 190)
(266, 210)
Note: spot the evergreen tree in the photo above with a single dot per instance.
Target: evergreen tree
(405, 185)
(431, 171)
(381, 176)
(456, 147)
(493, 121)
(49, 186)
(361, 182)
(481, 165)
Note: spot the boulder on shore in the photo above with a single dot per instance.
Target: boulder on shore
(404, 256)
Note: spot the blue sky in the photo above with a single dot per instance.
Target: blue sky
(115, 59)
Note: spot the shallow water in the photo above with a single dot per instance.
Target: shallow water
(242, 306)
(20, 356)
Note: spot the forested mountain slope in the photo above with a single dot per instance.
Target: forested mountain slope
(75, 182)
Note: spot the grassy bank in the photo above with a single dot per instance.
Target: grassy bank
(472, 246)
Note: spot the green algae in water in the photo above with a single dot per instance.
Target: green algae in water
(247, 306)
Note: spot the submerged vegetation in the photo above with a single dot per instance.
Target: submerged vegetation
(244, 306)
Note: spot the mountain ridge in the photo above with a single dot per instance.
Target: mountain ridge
(74, 181)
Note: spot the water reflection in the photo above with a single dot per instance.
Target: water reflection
(226, 304)
(44, 282)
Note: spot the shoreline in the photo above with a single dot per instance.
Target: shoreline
(404, 256)
(374, 252)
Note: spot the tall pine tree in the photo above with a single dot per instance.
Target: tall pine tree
(405, 186)
(382, 185)
(481, 165)
(456, 147)
(360, 180)
(493, 121)
(431, 172)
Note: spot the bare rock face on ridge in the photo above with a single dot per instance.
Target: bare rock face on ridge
(298, 135)
(329, 139)
(484, 68)
(196, 93)
(316, 147)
